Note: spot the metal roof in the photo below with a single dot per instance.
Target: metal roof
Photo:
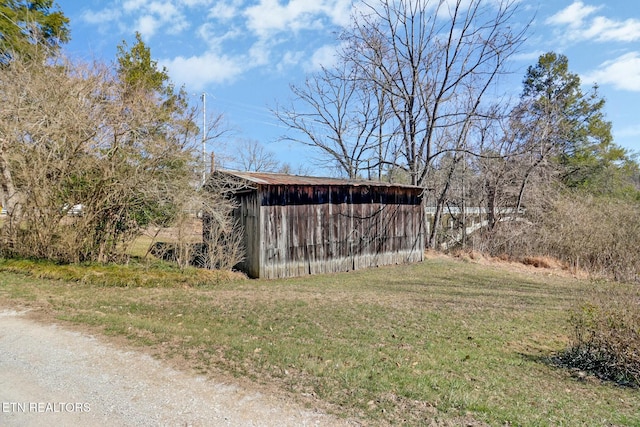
(265, 178)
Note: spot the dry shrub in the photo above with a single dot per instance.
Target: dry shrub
(503, 257)
(224, 240)
(597, 235)
(89, 161)
(607, 336)
(475, 255)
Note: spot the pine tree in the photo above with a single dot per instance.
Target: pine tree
(26, 25)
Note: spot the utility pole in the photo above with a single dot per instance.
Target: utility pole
(204, 137)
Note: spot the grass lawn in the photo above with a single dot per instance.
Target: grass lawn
(443, 342)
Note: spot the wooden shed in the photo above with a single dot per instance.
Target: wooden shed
(298, 225)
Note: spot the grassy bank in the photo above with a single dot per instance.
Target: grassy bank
(443, 340)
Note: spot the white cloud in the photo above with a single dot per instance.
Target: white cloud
(225, 10)
(340, 12)
(208, 33)
(260, 53)
(133, 5)
(165, 11)
(531, 56)
(622, 73)
(198, 71)
(147, 26)
(290, 59)
(193, 3)
(326, 56)
(100, 17)
(269, 16)
(573, 15)
(578, 23)
(604, 29)
(148, 17)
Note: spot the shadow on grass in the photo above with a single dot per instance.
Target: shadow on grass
(584, 366)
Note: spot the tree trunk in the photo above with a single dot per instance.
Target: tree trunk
(8, 195)
(433, 239)
(491, 206)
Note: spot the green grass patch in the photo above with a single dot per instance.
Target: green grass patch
(153, 273)
(441, 341)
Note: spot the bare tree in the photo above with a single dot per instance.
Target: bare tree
(437, 60)
(414, 78)
(90, 161)
(339, 116)
(251, 155)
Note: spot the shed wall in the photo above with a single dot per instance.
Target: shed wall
(248, 215)
(310, 230)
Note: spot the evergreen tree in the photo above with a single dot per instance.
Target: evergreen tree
(142, 77)
(579, 137)
(28, 24)
(167, 126)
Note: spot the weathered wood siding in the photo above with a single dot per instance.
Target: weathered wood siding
(299, 230)
(248, 214)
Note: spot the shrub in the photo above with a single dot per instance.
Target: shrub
(606, 337)
(598, 235)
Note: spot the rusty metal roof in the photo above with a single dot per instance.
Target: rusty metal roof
(265, 178)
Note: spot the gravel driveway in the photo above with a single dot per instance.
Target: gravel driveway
(53, 376)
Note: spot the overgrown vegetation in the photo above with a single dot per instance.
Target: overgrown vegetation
(560, 187)
(595, 234)
(92, 155)
(444, 342)
(606, 335)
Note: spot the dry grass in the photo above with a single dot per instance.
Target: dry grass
(190, 232)
(541, 264)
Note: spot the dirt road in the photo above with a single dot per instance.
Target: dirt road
(53, 376)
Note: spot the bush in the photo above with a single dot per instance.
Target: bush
(598, 235)
(606, 338)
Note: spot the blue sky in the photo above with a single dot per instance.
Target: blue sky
(244, 54)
